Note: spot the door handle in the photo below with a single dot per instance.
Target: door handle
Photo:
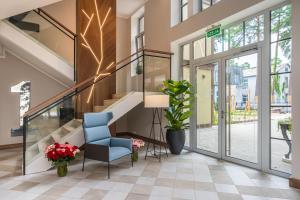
(222, 114)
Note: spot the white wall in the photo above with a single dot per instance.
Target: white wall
(14, 71)
(64, 12)
(295, 89)
(123, 38)
(123, 51)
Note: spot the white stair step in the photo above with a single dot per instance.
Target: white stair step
(99, 108)
(118, 96)
(109, 102)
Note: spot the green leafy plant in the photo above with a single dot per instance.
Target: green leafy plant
(180, 94)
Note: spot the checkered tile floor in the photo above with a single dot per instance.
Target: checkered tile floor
(188, 176)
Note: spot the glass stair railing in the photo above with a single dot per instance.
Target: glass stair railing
(46, 30)
(118, 88)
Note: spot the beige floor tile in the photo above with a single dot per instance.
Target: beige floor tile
(93, 194)
(56, 191)
(176, 177)
(25, 186)
(227, 196)
(184, 170)
(184, 184)
(248, 190)
(147, 173)
(159, 191)
(164, 182)
(146, 180)
(184, 194)
(204, 186)
(46, 197)
(142, 189)
(132, 196)
(225, 188)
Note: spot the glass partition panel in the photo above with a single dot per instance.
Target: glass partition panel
(157, 70)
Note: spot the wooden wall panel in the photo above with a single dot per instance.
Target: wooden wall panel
(100, 43)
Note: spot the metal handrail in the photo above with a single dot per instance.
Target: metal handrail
(56, 23)
(71, 90)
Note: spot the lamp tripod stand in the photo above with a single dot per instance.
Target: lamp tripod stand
(156, 120)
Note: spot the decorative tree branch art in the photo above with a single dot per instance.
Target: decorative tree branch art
(98, 58)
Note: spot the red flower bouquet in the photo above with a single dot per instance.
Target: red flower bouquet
(61, 155)
(136, 145)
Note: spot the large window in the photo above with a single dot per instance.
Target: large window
(140, 38)
(140, 42)
(183, 10)
(244, 33)
(141, 25)
(207, 3)
(280, 90)
(268, 31)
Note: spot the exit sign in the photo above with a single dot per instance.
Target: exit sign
(213, 31)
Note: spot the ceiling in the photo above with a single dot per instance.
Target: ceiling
(125, 8)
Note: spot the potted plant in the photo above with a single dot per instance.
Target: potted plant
(180, 94)
(136, 145)
(61, 155)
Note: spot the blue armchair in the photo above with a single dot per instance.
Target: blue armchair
(99, 145)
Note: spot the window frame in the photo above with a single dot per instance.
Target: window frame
(139, 24)
(181, 7)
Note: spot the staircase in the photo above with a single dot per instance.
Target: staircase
(25, 35)
(72, 131)
(59, 119)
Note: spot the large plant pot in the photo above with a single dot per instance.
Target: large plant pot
(175, 140)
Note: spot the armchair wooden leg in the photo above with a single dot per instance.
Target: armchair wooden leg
(108, 170)
(83, 163)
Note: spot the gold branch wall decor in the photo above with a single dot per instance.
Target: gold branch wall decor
(100, 72)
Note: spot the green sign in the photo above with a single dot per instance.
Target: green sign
(214, 31)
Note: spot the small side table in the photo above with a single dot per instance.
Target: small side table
(284, 128)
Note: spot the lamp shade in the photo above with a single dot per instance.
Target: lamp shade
(156, 101)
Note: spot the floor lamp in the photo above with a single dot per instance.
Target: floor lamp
(156, 102)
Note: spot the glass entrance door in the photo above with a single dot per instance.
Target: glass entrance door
(227, 119)
(241, 122)
(208, 109)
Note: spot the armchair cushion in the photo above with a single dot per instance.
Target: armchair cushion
(95, 126)
(105, 142)
(118, 152)
(121, 142)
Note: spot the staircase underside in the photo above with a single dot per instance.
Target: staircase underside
(34, 53)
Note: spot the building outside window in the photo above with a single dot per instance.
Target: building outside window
(183, 10)
(207, 3)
